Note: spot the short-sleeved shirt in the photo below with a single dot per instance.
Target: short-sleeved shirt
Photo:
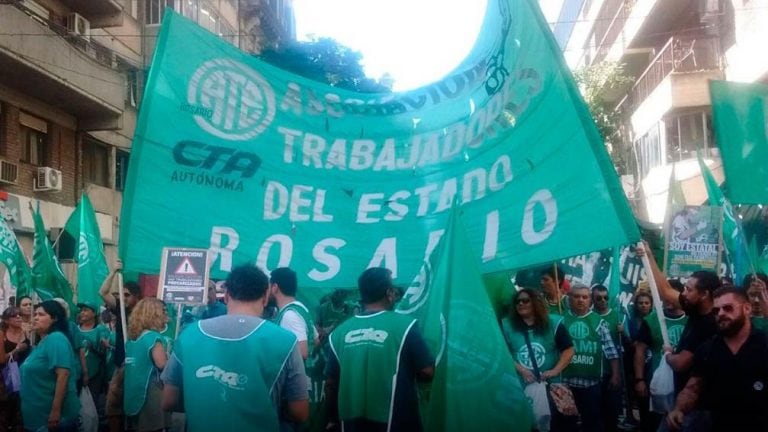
(735, 385)
(38, 382)
(698, 329)
(414, 357)
(291, 384)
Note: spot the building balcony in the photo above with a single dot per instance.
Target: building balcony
(67, 71)
(101, 13)
(678, 77)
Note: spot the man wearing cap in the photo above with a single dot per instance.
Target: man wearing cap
(92, 348)
(376, 358)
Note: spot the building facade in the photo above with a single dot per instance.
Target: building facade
(71, 80)
(671, 49)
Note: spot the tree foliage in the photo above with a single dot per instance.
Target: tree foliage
(598, 83)
(327, 61)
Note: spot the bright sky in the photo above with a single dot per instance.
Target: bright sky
(416, 41)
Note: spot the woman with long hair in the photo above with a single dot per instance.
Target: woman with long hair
(145, 358)
(529, 327)
(26, 309)
(16, 347)
(48, 389)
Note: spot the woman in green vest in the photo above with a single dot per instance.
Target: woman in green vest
(529, 327)
(145, 357)
(48, 394)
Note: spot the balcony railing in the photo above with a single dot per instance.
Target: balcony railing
(609, 25)
(101, 54)
(679, 55)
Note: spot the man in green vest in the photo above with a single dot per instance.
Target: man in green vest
(592, 342)
(376, 358)
(292, 315)
(237, 371)
(611, 397)
(650, 341)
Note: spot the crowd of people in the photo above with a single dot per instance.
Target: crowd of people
(242, 360)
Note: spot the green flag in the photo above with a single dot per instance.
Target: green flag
(15, 262)
(733, 237)
(48, 281)
(475, 386)
(740, 116)
(675, 195)
(329, 181)
(91, 264)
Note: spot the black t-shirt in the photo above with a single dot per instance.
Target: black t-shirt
(735, 385)
(118, 355)
(698, 330)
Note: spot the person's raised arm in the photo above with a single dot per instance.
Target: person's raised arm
(106, 288)
(666, 292)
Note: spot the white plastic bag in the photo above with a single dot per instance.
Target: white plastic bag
(89, 418)
(663, 388)
(537, 397)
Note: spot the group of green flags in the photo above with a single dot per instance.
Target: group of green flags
(45, 277)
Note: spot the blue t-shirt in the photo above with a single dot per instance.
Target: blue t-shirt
(38, 382)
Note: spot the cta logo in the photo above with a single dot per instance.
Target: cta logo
(366, 335)
(578, 330)
(230, 100)
(230, 379)
(219, 159)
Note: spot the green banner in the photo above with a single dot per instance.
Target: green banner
(740, 116)
(48, 281)
(16, 264)
(91, 264)
(259, 165)
(476, 386)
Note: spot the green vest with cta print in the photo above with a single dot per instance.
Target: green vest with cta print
(228, 382)
(543, 344)
(587, 362)
(368, 350)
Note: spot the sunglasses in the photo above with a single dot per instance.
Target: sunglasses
(523, 301)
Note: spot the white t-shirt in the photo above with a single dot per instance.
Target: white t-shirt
(294, 323)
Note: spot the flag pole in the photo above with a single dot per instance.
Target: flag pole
(557, 286)
(655, 295)
(123, 319)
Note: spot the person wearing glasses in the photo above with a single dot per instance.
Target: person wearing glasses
(529, 323)
(611, 397)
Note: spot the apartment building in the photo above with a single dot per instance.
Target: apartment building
(671, 49)
(71, 78)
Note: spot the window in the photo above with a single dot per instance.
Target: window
(34, 139)
(65, 245)
(190, 9)
(227, 33)
(648, 150)
(96, 162)
(154, 9)
(209, 20)
(688, 133)
(121, 169)
(132, 88)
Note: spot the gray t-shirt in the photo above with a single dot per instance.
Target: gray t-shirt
(291, 384)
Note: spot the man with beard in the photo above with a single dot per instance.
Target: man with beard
(730, 372)
(697, 301)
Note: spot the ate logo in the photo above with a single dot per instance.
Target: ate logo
(82, 252)
(578, 330)
(674, 333)
(240, 102)
(540, 354)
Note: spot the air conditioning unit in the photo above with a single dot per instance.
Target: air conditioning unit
(48, 179)
(79, 26)
(9, 172)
